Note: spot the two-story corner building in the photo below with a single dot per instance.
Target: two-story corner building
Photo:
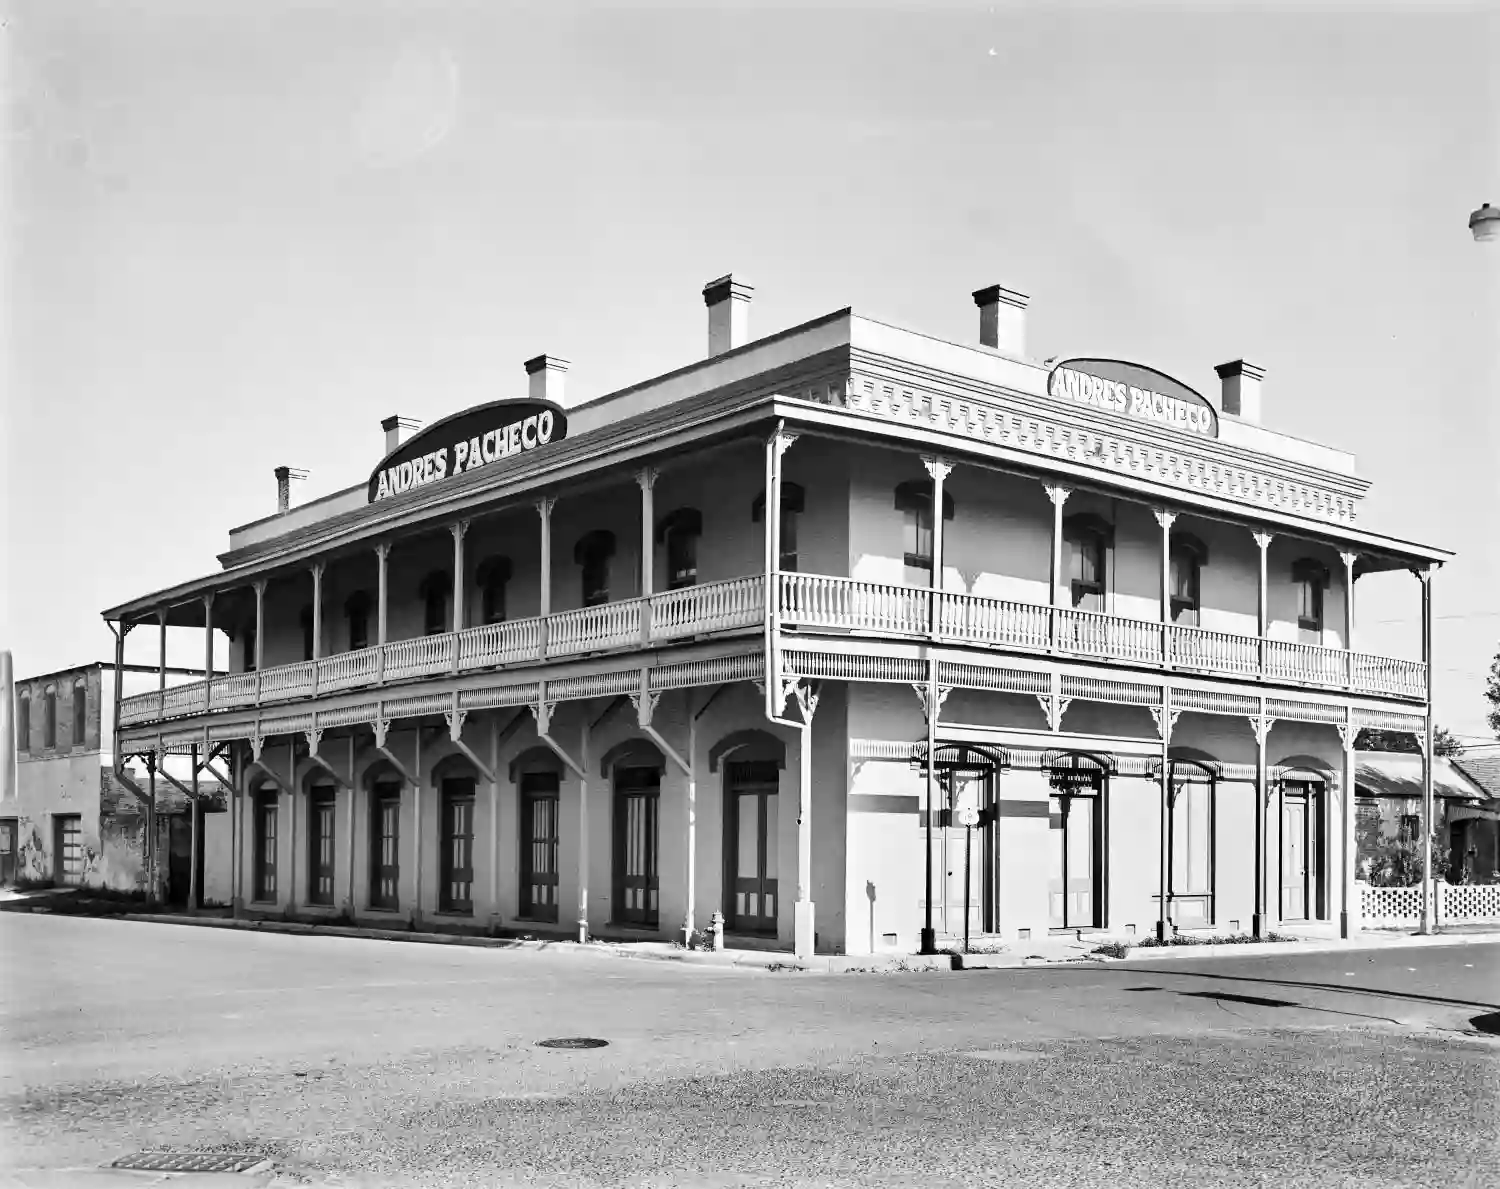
(69, 820)
(553, 666)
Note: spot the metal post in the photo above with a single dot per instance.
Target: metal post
(583, 833)
(317, 611)
(1058, 496)
(688, 923)
(1165, 519)
(938, 469)
(1349, 560)
(646, 479)
(236, 827)
(460, 578)
(114, 736)
(544, 508)
(968, 835)
(1425, 577)
(929, 934)
(161, 664)
(1262, 727)
(196, 840)
(291, 808)
(1164, 916)
(382, 605)
(416, 798)
(260, 633)
(1347, 735)
(803, 935)
(1263, 605)
(208, 648)
(152, 890)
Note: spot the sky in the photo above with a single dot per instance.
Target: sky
(238, 235)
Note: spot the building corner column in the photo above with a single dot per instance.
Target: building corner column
(645, 479)
(1348, 910)
(804, 918)
(1261, 725)
(1424, 576)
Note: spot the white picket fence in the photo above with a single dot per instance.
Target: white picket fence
(1453, 904)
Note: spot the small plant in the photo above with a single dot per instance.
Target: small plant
(778, 967)
(1112, 949)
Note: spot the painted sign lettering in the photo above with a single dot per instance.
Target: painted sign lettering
(1134, 391)
(478, 437)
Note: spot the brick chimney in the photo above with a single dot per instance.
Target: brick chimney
(545, 376)
(398, 429)
(1002, 318)
(728, 302)
(1241, 389)
(284, 477)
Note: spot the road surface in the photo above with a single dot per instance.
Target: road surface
(355, 1061)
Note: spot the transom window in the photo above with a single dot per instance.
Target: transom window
(791, 509)
(492, 576)
(680, 531)
(914, 502)
(592, 554)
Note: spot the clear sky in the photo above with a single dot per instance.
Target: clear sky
(238, 235)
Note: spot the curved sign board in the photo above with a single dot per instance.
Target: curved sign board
(1135, 391)
(486, 435)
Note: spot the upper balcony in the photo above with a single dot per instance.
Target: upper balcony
(811, 603)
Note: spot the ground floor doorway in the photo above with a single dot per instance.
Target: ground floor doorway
(965, 858)
(9, 836)
(1302, 890)
(751, 818)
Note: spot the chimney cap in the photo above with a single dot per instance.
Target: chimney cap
(996, 294)
(396, 421)
(290, 473)
(554, 363)
(726, 287)
(1239, 367)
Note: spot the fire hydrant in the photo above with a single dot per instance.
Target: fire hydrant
(716, 930)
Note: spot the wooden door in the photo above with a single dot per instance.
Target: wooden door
(7, 851)
(751, 823)
(637, 855)
(320, 819)
(1294, 866)
(539, 837)
(179, 856)
(456, 860)
(385, 847)
(1072, 889)
(266, 841)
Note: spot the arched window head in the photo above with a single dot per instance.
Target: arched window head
(357, 613)
(436, 591)
(791, 509)
(914, 502)
(1188, 556)
(1310, 578)
(679, 532)
(1089, 538)
(491, 576)
(593, 553)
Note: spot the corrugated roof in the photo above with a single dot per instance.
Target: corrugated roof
(1483, 770)
(1399, 774)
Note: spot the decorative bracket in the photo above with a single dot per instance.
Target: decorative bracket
(459, 529)
(542, 712)
(807, 700)
(788, 688)
(1171, 721)
(1057, 493)
(1164, 517)
(382, 729)
(1347, 734)
(782, 440)
(920, 688)
(382, 551)
(938, 467)
(257, 745)
(646, 478)
(1054, 707)
(1260, 726)
(1423, 574)
(645, 706)
(1263, 540)
(545, 505)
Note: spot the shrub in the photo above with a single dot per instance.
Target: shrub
(1112, 949)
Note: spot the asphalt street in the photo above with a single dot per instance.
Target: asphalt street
(355, 1061)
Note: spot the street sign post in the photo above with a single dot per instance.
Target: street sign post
(966, 814)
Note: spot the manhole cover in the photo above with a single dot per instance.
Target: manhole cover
(189, 1161)
(572, 1042)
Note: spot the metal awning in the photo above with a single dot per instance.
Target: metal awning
(1399, 774)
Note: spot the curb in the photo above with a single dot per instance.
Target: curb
(1311, 946)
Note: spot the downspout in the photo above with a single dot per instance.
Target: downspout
(775, 699)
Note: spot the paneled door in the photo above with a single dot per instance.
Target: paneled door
(1073, 884)
(750, 821)
(539, 837)
(637, 855)
(456, 859)
(385, 847)
(1301, 852)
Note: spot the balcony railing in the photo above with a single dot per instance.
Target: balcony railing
(826, 603)
(808, 601)
(673, 615)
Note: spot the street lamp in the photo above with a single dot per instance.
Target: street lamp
(1485, 223)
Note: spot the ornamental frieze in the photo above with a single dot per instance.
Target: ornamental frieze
(983, 421)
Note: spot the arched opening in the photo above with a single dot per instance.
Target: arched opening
(1077, 838)
(1300, 789)
(537, 774)
(635, 771)
(265, 834)
(751, 762)
(384, 785)
(1192, 805)
(965, 833)
(322, 803)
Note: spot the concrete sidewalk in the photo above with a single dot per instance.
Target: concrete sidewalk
(1009, 955)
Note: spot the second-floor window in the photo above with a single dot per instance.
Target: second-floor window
(435, 590)
(1310, 578)
(492, 575)
(1188, 556)
(679, 532)
(593, 553)
(1088, 538)
(357, 613)
(49, 718)
(791, 508)
(23, 722)
(80, 713)
(914, 502)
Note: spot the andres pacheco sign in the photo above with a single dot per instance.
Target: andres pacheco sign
(487, 435)
(1135, 391)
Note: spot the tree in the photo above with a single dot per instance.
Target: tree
(1492, 695)
(1443, 742)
